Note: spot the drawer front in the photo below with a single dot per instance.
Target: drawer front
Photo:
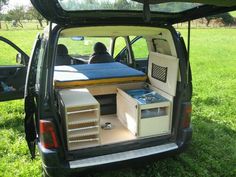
(154, 126)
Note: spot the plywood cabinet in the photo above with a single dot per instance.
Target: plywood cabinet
(81, 113)
(144, 119)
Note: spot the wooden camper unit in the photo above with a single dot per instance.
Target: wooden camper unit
(81, 111)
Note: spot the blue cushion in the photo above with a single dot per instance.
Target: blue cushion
(94, 71)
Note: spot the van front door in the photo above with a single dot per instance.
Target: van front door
(13, 69)
(17, 81)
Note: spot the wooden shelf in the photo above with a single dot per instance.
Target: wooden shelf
(83, 140)
(81, 116)
(82, 111)
(82, 120)
(88, 132)
(83, 128)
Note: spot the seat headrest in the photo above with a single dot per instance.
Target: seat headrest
(101, 58)
(62, 50)
(100, 48)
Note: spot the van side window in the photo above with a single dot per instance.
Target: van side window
(140, 49)
(8, 58)
(121, 53)
(119, 45)
(161, 46)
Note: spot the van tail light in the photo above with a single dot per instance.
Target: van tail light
(187, 111)
(47, 134)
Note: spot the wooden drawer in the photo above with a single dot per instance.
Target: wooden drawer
(154, 126)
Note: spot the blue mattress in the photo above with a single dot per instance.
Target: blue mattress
(94, 71)
(89, 72)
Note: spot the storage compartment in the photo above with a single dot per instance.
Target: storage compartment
(117, 133)
(107, 103)
(154, 112)
(156, 125)
(144, 112)
(140, 113)
(82, 116)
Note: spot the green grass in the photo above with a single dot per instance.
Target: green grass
(29, 25)
(23, 39)
(233, 13)
(213, 148)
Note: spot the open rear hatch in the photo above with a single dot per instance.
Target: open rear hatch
(162, 12)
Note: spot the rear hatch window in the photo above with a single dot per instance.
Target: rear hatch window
(161, 12)
(124, 5)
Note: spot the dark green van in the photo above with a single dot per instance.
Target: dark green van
(108, 83)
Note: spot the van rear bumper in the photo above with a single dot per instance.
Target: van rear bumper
(54, 167)
(122, 156)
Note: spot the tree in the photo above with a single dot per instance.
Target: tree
(2, 3)
(122, 4)
(16, 15)
(32, 13)
(227, 19)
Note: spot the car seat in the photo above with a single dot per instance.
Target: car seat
(100, 54)
(62, 55)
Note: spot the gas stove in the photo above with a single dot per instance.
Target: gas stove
(146, 96)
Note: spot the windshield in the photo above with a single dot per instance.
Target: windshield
(124, 5)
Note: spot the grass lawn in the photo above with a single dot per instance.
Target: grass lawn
(213, 148)
(233, 13)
